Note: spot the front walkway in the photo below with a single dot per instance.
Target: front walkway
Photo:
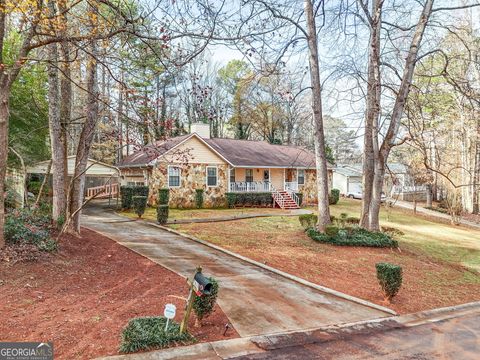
(255, 300)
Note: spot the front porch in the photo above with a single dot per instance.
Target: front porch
(265, 180)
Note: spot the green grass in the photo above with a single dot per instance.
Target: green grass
(181, 214)
(454, 244)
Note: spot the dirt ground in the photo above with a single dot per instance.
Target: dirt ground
(428, 281)
(82, 297)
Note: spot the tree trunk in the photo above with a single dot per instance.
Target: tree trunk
(429, 195)
(57, 137)
(370, 142)
(77, 191)
(476, 172)
(4, 114)
(397, 113)
(319, 138)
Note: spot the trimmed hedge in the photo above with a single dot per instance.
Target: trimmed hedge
(128, 192)
(249, 199)
(162, 214)
(334, 196)
(148, 333)
(258, 199)
(199, 198)
(163, 196)
(139, 204)
(390, 279)
(352, 236)
(203, 305)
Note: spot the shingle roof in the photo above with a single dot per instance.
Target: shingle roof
(238, 152)
(262, 153)
(150, 152)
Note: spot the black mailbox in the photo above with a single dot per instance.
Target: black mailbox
(201, 284)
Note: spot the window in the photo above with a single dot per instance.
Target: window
(232, 175)
(300, 176)
(249, 175)
(211, 176)
(173, 176)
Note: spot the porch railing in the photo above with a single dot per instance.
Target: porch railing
(291, 185)
(398, 189)
(251, 186)
(103, 191)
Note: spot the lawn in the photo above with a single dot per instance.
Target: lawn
(186, 214)
(81, 297)
(440, 262)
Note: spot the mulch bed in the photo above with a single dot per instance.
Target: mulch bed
(81, 297)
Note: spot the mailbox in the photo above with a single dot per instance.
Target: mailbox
(201, 285)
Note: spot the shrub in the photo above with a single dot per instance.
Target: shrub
(148, 333)
(203, 305)
(163, 196)
(308, 220)
(199, 198)
(231, 198)
(390, 279)
(334, 196)
(352, 236)
(249, 199)
(28, 227)
(139, 204)
(162, 214)
(128, 192)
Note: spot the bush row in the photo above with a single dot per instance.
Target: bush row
(128, 192)
(352, 236)
(253, 199)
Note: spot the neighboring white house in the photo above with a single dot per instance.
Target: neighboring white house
(347, 179)
(101, 179)
(398, 181)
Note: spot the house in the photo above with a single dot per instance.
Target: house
(398, 183)
(347, 179)
(101, 180)
(219, 166)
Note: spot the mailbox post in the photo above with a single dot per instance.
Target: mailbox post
(199, 285)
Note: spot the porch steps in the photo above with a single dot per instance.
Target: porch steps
(284, 200)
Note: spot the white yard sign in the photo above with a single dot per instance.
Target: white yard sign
(169, 313)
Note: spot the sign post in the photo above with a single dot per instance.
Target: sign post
(169, 313)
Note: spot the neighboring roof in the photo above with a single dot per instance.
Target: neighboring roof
(94, 167)
(150, 152)
(347, 171)
(395, 168)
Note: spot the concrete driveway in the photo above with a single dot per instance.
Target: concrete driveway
(256, 301)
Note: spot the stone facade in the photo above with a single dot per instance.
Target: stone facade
(309, 189)
(193, 176)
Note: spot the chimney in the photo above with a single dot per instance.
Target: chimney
(201, 129)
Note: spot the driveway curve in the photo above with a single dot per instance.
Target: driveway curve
(257, 301)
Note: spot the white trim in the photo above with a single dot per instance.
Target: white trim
(206, 176)
(179, 177)
(298, 182)
(152, 162)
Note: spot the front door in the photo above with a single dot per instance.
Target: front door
(266, 175)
